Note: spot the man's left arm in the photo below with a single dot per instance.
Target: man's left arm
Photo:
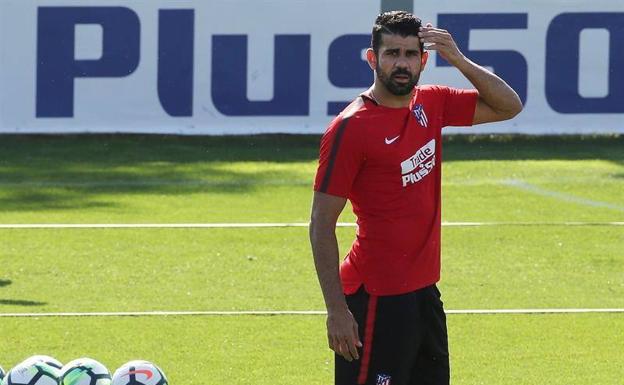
(497, 100)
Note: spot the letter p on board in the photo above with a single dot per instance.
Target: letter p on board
(57, 66)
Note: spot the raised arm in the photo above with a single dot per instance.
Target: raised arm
(342, 329)
(497, 100)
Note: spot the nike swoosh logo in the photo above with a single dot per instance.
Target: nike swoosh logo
(148, 373)
(390, 141)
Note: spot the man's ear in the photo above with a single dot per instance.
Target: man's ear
(371, 58)
(423, 60)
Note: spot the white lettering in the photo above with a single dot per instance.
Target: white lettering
(420, 156)
(423, 170)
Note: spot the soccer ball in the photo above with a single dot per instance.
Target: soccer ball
(139, 373)
(53, 362)
(84, 371)
(35, 373)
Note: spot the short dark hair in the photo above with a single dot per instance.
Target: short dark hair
(395, 23)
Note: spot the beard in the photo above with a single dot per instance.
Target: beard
(396, 88)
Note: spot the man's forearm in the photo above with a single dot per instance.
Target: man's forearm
(325, 251)
(492, 89)
(342, 328)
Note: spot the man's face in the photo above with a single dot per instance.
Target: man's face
(399, 63)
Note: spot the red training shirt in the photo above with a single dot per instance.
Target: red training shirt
(386, 161)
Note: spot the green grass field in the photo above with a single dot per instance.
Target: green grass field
(531, 259)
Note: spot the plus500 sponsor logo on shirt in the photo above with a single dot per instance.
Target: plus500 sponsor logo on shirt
(419, 165)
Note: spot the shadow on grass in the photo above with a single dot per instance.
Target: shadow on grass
(17, 302)
(38, 200)
(70, 172)
(115, 150)
(126, 150)
(20, 302)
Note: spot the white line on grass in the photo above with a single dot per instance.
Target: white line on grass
(263, 225)
(522, 185)
(289, 312)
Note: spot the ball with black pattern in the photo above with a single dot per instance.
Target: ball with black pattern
(35, 373)
(139, 372)
(53, 362)
(85, 371)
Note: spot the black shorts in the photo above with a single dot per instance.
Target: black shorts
(404, 340)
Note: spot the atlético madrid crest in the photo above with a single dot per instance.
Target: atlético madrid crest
(383, 379)
(420, 115)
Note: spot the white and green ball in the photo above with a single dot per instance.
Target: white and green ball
(53, 362)
(34, 373)
(77, 362)
(84, 371)
(139, 373)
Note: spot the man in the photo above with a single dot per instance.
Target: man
(385, 320)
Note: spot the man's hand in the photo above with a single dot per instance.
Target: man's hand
(497, 101)
(440, 40)
(342, 334)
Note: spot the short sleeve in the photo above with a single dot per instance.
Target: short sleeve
(459, 106)
(340, 159)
